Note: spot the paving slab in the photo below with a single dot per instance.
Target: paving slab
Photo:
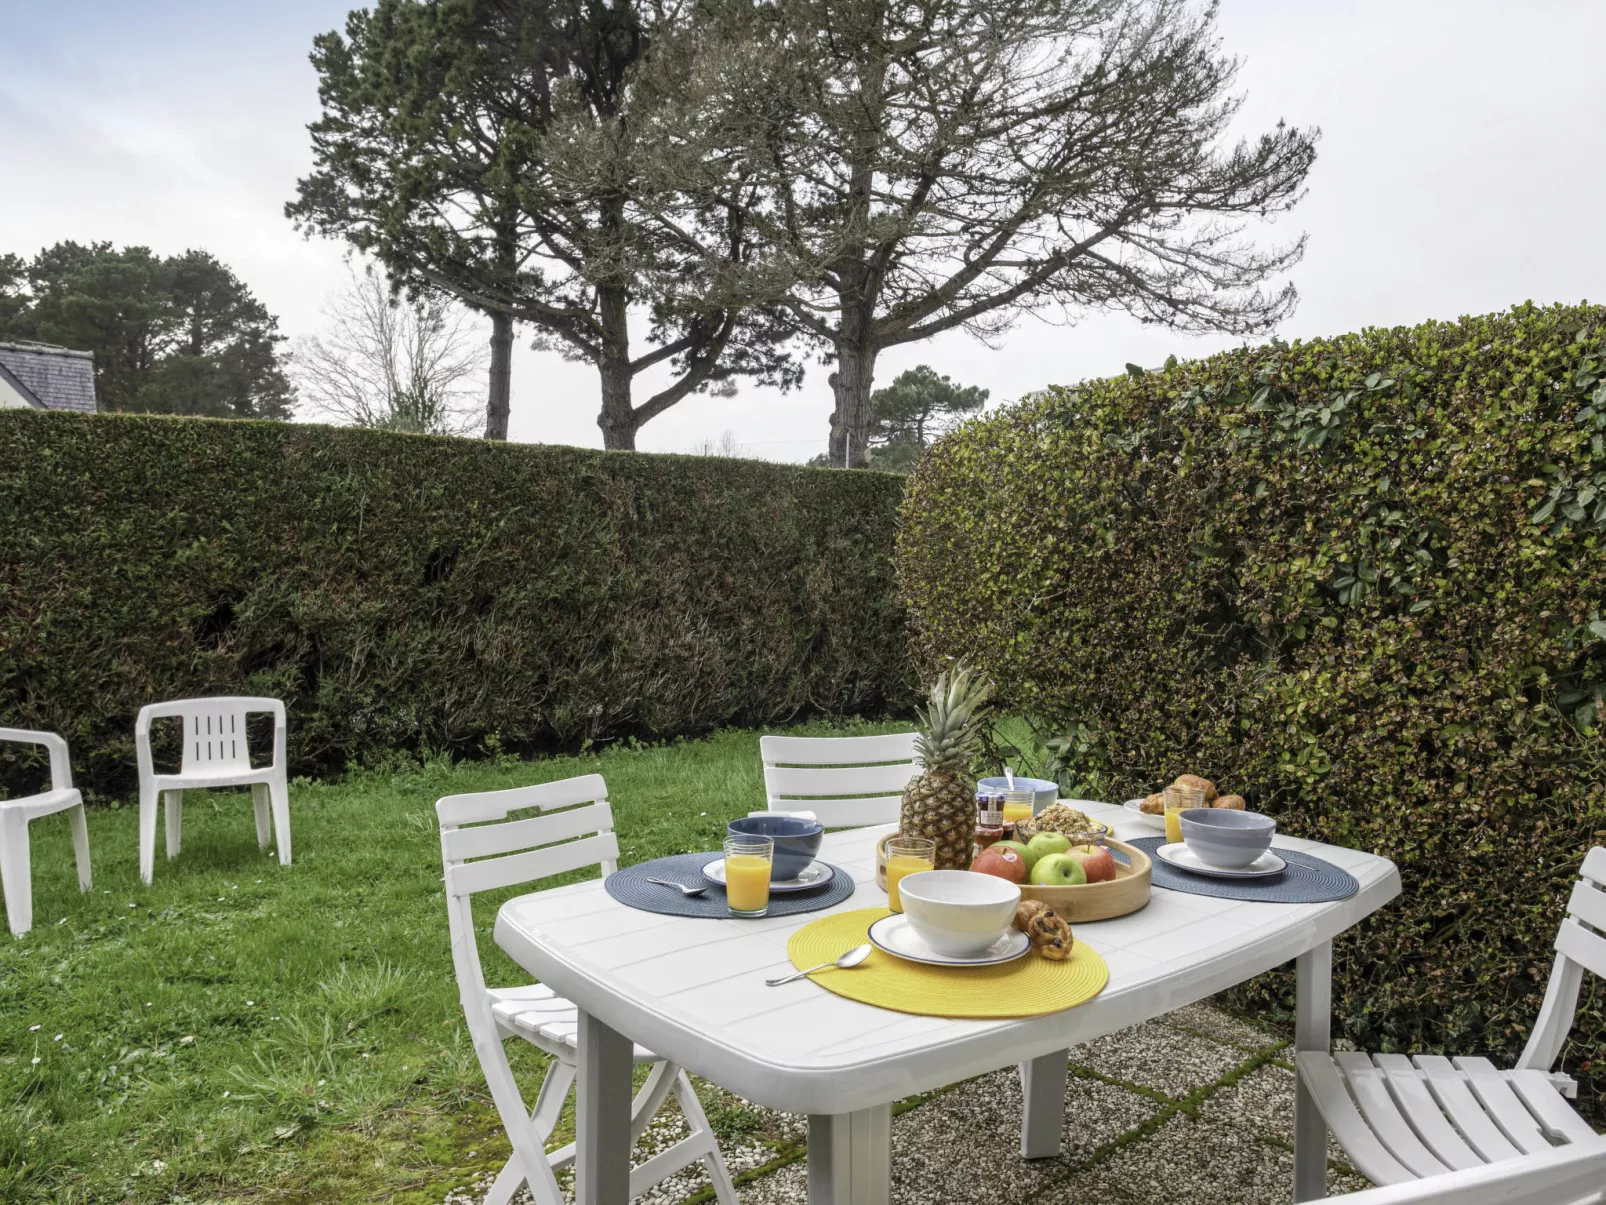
(1188, 1161)
(1158, 1056)
(1222, 1026)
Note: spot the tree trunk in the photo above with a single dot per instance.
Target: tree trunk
(618, 419)
(496, 407)
(850, 423)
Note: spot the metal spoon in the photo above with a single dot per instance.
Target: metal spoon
(680, 887)
(851, 959)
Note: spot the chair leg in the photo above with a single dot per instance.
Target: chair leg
(259, 804)
(147, 835)
(173, 818)
(549, 1107)
(549, 1101)
(718, 1173)
(16, 871)
(279, 795)
(660, 1083)
(80, 845)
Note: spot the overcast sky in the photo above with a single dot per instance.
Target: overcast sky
(1462, 168)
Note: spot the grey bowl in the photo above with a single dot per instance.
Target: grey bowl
(1226, 838)
(1047, 792)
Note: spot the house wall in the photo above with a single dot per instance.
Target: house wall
(10, 398)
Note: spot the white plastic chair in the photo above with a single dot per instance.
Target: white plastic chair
(16, 867)
(1405, 1119)
(1569, 1175)
(214, 755)
(820, 772)
(571, 839)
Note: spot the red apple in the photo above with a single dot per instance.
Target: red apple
(1005, 863)
(1098, 862)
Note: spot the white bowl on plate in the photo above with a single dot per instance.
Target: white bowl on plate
(958, 912)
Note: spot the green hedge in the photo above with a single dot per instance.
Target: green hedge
(1358, 580)
(401, 592)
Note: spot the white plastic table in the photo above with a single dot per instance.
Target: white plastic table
(692, 989)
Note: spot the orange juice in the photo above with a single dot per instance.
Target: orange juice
(747, 882)
(1178, 800)
(1014, 812)
(899, 865)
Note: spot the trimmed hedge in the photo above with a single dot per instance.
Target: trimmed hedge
(1358, 580)
(403, 592)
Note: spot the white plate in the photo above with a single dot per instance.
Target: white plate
(815, 874)
(1135, 806)
(896, 936)
(1183, 858)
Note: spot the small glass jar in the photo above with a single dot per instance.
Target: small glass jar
(989, 828)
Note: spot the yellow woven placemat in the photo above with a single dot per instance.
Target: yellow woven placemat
(1027, 987)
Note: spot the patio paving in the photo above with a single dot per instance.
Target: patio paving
(1195, 1108)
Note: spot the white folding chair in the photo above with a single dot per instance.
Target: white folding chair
(1403, 1119)
(214, 754)
(844, 780)
(16, 866)
(486, 858)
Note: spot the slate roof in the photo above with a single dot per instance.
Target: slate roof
(56, 377)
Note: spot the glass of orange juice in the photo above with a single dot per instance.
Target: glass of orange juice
(1177, 801)
(1018, 806)
(747, 874)
(907, 855)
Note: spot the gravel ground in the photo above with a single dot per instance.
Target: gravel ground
(1185, 1110)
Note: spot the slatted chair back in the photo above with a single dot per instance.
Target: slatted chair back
(1580, 947)
(844, 780)
(483, 850)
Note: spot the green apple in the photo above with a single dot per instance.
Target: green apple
(1057, 870)
(1026, 851)
(1047, 843)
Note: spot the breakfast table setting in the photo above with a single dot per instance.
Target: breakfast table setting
(833, 973)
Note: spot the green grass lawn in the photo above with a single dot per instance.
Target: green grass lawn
(246, 1032)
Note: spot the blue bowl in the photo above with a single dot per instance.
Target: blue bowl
(797, 841)
(1047, 792)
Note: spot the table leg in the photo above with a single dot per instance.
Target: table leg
(850, 1157)
(602, 1115)
(1042, 1089)
(1312, 1031)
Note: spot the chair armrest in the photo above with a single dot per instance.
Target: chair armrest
(60, 766)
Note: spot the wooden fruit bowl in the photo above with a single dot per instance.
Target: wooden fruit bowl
(1127, 892)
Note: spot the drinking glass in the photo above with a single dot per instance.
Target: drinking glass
(747, 874)
(1018, 806)
(1177, 801)
(907, 855)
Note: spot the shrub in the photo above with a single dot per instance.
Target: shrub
(407, 592)
(1358, 580)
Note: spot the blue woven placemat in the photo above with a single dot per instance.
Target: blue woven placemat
(629, 886)
(1307, 880)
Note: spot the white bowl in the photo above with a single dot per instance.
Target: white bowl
(958, 912)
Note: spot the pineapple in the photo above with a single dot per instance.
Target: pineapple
(941, 802)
